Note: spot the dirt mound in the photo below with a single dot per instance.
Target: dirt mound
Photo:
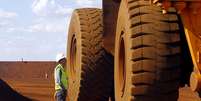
(8, 94)
(26, 70)
(33, 79)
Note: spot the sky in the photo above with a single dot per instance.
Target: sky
(36, 30)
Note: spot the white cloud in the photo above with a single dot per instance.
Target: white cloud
(63, 11)
(53, 13)
(7, 20)
(4, 23)
(22, 36)
(10, 29)
(47, 27)
(38, 6)
(49, 8)
(43, 28)
(40, 25)
(89, 3)
(85, 2)
(7, 14)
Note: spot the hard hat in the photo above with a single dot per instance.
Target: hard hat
(59, 57)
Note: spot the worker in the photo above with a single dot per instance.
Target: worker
(61, 78)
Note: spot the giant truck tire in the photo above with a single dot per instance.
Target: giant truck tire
(88, 62)
(147, 53)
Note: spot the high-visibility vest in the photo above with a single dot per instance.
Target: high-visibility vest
(63, 77)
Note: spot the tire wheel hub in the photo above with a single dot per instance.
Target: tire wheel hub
(122, 67)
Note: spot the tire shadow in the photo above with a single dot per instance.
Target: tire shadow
(8, 94)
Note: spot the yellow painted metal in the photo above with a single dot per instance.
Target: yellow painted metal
(195, 81)
(190, 13)
(191, 39)
(194, 46)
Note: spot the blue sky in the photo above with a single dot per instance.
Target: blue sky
(36, 30)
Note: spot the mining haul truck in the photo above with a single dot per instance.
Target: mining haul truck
(134, 50)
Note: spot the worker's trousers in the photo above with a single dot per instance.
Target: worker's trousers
(61, 95)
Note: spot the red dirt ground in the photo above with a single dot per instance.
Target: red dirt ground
(37, 89)
(28, 78)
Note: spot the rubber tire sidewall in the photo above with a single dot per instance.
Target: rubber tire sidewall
(122, 26)
(74, 31)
